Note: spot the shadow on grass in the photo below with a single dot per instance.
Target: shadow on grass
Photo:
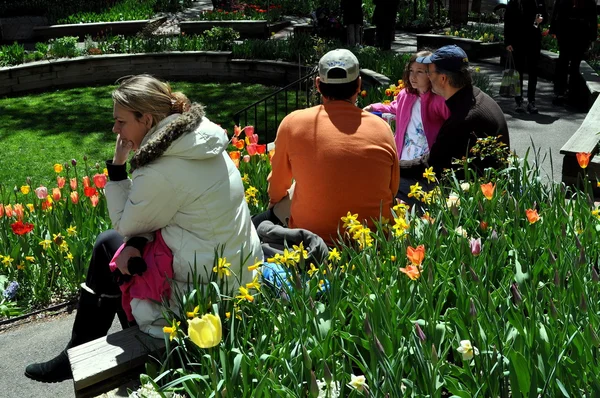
(39, 130)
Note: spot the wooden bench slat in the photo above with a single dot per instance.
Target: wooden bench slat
(586, 137)
(110, 356)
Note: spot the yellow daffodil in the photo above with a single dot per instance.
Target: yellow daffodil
(30, 258)
(312, 270)
(222, 268)
(415, 191)
(194, 312)
(429, 174)
(64, 247)
(596, 213)
(349, 219)
(363, 237)
(69, 256)
(255, 266)
(30, 207)
(334, 255)
(72, 231)
(21, 266)
(7, 261)
(228, 315)
(300, 251)
(245, 178)
(244, 295)
(45, 244)
(172, 330)
(255, 284)
(25, 189)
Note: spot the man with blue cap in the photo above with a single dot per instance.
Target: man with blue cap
(473, 113)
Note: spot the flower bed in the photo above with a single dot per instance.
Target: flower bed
(254, 12)
(499, 271)
(46, 233)
(475, 48)
(246, 29)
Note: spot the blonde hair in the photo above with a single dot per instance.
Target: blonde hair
(406, 75)
(142, 94)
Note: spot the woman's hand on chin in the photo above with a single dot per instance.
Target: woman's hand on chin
(122, 149)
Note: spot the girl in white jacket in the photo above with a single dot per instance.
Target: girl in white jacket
(182, 183)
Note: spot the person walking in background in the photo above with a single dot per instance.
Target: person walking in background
(384, 19)
(574, 22)
(353, 19)
(419, 116)
(523, 39)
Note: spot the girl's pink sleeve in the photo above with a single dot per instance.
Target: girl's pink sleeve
(391, 108)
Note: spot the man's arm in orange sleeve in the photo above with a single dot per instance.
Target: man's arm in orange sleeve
(280, 178)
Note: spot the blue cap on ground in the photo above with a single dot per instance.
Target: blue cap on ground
(450, 58)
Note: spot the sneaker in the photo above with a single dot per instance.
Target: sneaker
(520, 108)
(531, 108)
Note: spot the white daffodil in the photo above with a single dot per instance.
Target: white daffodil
(358, 382)
(467, 350)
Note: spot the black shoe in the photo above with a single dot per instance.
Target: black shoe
(53, 371)
(531, 108)
(520, 108)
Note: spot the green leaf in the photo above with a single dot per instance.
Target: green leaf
(562, 388)
(521, 368)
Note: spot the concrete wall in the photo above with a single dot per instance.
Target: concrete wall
(106, 69)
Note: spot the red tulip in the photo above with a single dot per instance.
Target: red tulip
(21, 228)
(89, 191)
(100, 180)
(56, 194)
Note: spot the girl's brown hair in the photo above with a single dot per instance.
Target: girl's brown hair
(406, 76)
(142, 94)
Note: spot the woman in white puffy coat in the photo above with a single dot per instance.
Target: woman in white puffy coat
(184, 185)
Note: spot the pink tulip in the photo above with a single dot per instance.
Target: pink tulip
(60, 181)
(73, 183)
(100, 180)
(41, 192)
(249, 130)
(475, 245)
(246, 158)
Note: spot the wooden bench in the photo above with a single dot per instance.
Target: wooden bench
(110, 361)
(585, 139)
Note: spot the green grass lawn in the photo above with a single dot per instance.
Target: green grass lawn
(37, 131)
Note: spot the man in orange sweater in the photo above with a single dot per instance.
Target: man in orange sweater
(341, 158)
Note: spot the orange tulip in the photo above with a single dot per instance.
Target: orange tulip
(235, 156)
(415, 256)
(8, 211)
(239, 144)
(488, 190)
(411, 271)
(86, 182)
(583, 158)
(1, 210)
(19, 211)
(56, 194)
(75, 197)
(73, 183)
(60, 181)
(237, 131)
(532, 216)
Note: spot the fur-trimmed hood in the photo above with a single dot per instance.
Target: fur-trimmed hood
(189, 136)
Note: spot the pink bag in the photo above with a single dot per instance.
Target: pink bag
(153, 284)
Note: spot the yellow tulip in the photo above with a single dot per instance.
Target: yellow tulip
(25, 189)
(58, 168)
(205, 332)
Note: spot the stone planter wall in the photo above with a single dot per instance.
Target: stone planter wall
(246, 29)
(475, 49)
(106, 69)
(127, 28)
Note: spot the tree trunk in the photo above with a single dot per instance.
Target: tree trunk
(459, 12)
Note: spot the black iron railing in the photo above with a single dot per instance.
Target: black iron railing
(266, 113)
